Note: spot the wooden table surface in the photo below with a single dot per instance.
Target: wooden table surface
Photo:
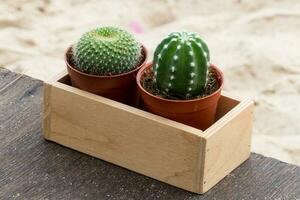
(32, 168)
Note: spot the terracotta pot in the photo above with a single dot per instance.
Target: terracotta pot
(119, 87)
(199, 113)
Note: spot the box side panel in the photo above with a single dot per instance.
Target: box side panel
(138, 143)
(46, 110)
(200, 169)
(225, 104)
(227, 144)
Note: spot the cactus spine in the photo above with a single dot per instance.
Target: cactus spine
(106, 51)
(181, 64)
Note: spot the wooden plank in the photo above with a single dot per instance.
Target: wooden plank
(7, 78)
(127, 108)
(226, 103)
(46, 110)
(126, 136)
(16, 96)
(227, 143)
(32, 168)
(144, 120)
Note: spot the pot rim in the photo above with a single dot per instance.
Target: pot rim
(148, 65)
(98, 76)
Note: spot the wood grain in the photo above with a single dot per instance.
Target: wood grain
(32, 168)
(46, 111)
(140, 141)
(227, 143)
(124, 135)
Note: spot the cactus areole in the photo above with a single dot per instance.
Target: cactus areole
(181, 64)
(106, 51)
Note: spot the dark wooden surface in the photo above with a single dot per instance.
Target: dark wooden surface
(32, 168)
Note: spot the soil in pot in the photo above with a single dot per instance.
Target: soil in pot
(150, 86)
(121, 87)
(198, 112)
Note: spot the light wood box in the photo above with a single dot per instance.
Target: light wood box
(151, 145)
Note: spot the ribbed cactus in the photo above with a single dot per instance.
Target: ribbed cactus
(106, 51)
(181, 64)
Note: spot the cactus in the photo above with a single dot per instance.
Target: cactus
(106, 51)
(180, 65)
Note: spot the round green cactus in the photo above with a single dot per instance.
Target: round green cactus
(106, 51)
(181, 64)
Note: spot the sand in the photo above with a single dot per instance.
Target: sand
(256, 43)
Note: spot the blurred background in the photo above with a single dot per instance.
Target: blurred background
(255, 42)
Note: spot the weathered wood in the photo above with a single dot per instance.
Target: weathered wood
(32, 168)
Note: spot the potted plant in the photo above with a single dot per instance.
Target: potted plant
(181, 84)
(105, 61)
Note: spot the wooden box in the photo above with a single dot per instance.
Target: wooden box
(151, 145)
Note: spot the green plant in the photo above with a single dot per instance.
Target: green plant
(106, 51)
(180, 65)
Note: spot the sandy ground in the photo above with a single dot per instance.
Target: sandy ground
(255, 42)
